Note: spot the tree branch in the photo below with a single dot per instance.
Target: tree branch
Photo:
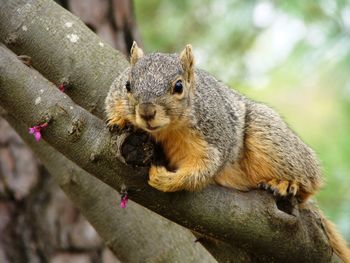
(122, 230)
(62, 48)
(250, 220)
(23, 25)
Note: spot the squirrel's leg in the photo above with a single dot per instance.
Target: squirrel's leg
(196, 162)
(194, 173)
(183, 179)
(275, 158)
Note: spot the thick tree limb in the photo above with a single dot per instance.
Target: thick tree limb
(23, 42)
(64, 69)
(250, 220)
(62, 48)
(123, 231)
(18, 30)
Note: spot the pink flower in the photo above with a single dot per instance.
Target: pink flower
(62, 87)
(124, 200)
(36, 130)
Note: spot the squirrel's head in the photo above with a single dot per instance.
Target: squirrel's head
(160, 87)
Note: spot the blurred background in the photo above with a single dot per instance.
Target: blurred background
(292, 55)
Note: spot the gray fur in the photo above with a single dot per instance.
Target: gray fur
(151, 79)
(295, 160)
(219, 115)
(222, 116)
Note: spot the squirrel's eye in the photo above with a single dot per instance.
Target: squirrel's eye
(127, 86)
(178, 88)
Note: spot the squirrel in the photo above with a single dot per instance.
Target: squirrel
(210, 133)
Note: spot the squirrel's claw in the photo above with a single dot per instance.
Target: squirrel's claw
(263, 185)
(113, 127)
(280, 188)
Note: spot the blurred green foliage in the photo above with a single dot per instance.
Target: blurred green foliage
(292, 55)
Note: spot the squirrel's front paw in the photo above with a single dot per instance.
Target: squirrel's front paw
(161, 179)
(119, 125)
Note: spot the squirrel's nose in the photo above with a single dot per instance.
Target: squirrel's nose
(147, 111)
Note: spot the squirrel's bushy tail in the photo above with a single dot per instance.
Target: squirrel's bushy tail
(336, 241)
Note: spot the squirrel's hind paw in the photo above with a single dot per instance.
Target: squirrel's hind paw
(280, 188)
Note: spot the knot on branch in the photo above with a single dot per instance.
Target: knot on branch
(137, 148)
(12, 39)
(75, 129)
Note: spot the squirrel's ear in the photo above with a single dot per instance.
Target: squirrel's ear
(135, 53)
(187, 61)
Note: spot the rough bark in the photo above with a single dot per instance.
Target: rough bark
(162, 247)
(122, 230)
(112, 20)
(249, 220)
(25, 24)
(37, 221)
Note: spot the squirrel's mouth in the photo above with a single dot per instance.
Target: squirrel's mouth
(150, 128)
(153, 122)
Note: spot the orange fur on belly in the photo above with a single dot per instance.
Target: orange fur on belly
(253, 167)
(183, 149)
